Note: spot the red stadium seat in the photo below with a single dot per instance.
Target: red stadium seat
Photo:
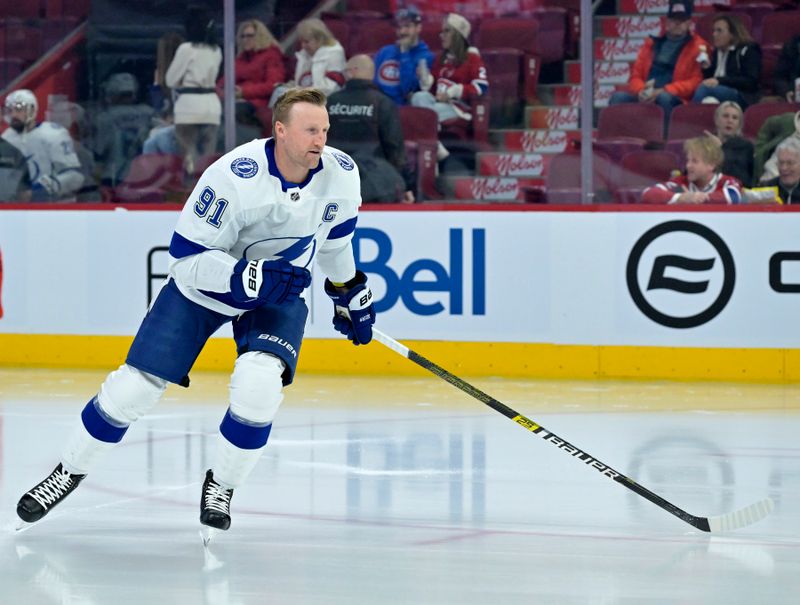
(779, 27)
(22, 41)
(150, 177)
(756, 10)
(522, 34)
(16, 9)
(755, 115)
(421, 134)
(378, 6)
(691, 120)
(372, 35)
(341, 31)
(638, 120)
(641, 169)
(563, 184)
(628, 127)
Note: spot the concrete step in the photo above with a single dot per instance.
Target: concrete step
(552, 117)
(617, 49)
(526, 165)
(535, 140)
(605, 72)
(570, 94)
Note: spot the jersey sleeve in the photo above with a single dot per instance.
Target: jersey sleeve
(207, 230)
(335, 257)
(662, 193)
(66, 167)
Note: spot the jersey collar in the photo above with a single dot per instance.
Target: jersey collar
(272, 165)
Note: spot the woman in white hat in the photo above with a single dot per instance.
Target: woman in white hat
(458, 76)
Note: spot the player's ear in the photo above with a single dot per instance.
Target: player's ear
(280, 129)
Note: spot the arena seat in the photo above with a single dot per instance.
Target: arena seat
(149, 178)
(690, 120)
(421, 135)
(779, 27)
(563, 183)
(641, 169)
(755, 115)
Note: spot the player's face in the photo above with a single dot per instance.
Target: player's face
(698, 170)
(304, 135)
(789, 166)
(408, 33)
(16, 116)
(729, 122)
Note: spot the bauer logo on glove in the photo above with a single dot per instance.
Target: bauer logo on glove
(353, 312)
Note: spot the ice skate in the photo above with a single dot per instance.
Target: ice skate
(215, 508)
(36, 503)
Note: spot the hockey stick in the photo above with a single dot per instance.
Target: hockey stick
(730, 521)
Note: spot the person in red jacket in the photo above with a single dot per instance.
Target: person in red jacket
(668, 68)
(259, 68)
(703, 183)
(458, 74)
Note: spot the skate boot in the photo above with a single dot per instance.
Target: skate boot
(37, 502)
(215, 504)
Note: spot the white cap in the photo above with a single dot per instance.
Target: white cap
(460, 24)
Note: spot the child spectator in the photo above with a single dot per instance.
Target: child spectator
(703, 183)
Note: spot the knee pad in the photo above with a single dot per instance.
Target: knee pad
(128, 393)
(256, 387)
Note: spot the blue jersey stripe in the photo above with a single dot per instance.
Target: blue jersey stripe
(343, 230)
(180, 247)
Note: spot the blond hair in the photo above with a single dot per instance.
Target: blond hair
(316, 29)
(263, 39)
(707, 148)
(280, 112)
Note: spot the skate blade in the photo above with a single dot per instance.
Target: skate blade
(21, 525)
(208, 533)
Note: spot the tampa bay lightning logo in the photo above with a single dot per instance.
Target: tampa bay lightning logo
(244, 167)
(297, 250)
(344, 161)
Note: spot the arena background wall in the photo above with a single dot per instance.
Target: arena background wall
(578, 292)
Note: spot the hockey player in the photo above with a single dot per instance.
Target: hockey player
(54, 168)
(703, 183)
(241, 252)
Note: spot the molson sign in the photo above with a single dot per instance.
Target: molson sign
(554, 118)
(617, 49)
(631, 27)
(488, 188)
(514, 164)
(605, 72)
(540, 140)
(660, 6)
(570, 94)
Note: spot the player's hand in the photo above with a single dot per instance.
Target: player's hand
(353, 312)
(48, 184)
(269, 281)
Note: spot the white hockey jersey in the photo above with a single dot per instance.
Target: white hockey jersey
(242, 207)
(52, 161)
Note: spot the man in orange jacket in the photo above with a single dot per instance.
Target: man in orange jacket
(669, 67)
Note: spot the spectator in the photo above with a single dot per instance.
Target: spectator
(735, 67)
(365, 124)
(72, 117)
(121, 127)
(54, 168)
(192, 74)
(738, 151)
(259, 69)
(404, 67)
(667, 70)
(162, 137)
(15, 183)
(785, 126)
(458, 73)
(787, 71)
(320, 61)
(788, 179)
(703, 183)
